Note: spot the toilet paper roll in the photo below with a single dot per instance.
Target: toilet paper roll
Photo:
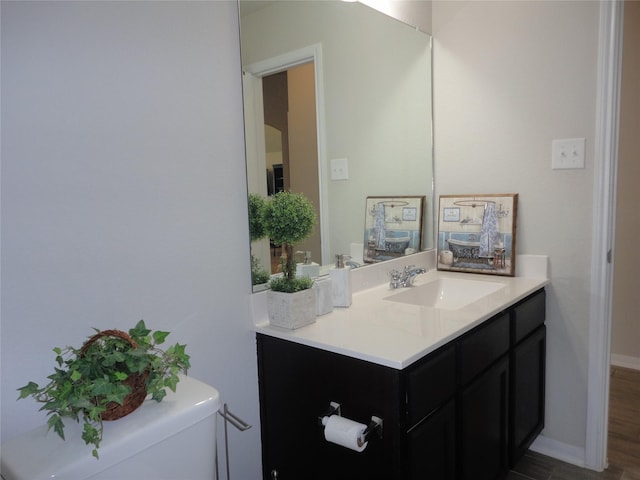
(344, 432)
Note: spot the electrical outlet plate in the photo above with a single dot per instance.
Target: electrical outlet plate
(339, 169)
(567, 153)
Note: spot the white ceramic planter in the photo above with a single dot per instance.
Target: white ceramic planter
(291, 310)
(323, 289)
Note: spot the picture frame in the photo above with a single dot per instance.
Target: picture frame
(477, 233)
(409, 213)
(393, 227)
(451, 214)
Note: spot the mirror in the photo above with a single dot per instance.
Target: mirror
(372, 124)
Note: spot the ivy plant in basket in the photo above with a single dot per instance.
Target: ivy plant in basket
(107, 378)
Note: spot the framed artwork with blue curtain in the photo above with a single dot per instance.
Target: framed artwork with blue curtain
(392, 227)
(477, 233)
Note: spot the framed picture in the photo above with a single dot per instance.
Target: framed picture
(477, 233)
(409, 213)
(392, 227)
(451, 214)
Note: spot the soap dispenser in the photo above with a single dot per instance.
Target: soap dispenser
(340, 283)
(308, 268)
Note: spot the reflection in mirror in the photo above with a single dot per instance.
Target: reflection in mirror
(289, 107)
(371, 79)
(393, 227)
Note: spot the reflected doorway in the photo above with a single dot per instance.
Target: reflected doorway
(291, 144)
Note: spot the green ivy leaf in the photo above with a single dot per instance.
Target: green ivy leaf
(139, 331)
(101, 387)
(171, 382)
(118, 394)
(55, 423)
(95, 411)
(159, 337)
(92, 435)
(30, 388)
(75, 376)
(82, 403)
(158, 395)
(65, 389)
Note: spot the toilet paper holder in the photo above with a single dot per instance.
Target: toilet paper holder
(374, 425)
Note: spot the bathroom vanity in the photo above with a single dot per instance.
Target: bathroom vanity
(460, 391)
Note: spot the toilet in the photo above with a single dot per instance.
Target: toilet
(170, 440)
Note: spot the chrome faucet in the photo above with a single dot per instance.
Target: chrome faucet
(405, 277)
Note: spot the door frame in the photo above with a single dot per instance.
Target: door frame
(603, 228)
(253, 74)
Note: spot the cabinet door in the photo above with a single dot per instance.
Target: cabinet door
(286, 427)
(296, 384)
(431, 446)
(527, 393)
(482, 428)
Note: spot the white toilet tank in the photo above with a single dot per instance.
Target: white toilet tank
(171, 440)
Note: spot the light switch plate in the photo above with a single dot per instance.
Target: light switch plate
(567, 153)
(339, 169)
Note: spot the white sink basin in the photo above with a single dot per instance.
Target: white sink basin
(446, 293)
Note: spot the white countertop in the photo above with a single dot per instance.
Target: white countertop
(396, 334)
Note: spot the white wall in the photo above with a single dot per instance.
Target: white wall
(625, 327)
(508, 78)
(123, 192)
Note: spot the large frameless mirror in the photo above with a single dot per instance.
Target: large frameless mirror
(337, 106)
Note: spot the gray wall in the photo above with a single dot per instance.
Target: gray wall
(509, 77)
(123, 192)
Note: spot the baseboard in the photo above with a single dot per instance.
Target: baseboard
(559, 450)
(625, 361)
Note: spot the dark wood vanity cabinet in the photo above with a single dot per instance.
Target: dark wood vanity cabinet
(466, 411)
(483, 401)
(297, 384)
(527, 374)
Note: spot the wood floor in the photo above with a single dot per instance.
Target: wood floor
(624, 439)
(624, 421)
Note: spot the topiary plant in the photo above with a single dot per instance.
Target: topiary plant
(258, 274)
(256, 222)
(257, 231)
(112, 370)
(289, 218)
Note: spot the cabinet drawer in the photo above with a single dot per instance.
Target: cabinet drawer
(481, 347)
(528, 315)
(431, 383)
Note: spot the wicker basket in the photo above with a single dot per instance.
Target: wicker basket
(137, 381)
